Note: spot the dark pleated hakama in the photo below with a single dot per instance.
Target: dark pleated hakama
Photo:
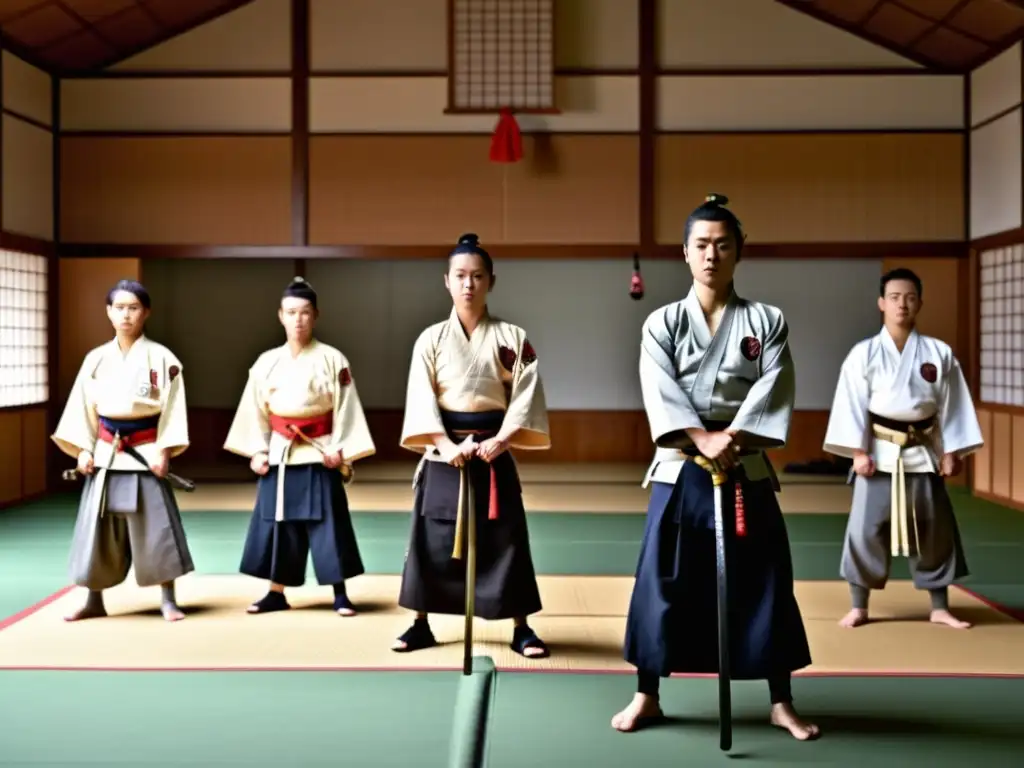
(317, 524)
(432, 580)
(672, 621)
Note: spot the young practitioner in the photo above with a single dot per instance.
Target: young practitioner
(903, 413)
(474, 392)
(301, 425)
(717, 381)
(128, 392)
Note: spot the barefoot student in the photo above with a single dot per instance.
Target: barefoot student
(717, 380)
(129, 393)
(474, 392)
(903, 412)
(301, 425)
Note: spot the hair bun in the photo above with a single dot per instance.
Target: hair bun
(469, 239)
(716, 199)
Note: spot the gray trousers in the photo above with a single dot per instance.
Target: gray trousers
(137, 523)
(938, 559)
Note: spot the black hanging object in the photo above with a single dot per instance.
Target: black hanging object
(636, 284)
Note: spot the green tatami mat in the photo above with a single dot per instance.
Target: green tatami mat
(251, 719)
(557, 721)
(34, 543)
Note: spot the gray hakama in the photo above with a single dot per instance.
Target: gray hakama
(938, 558)
(137, 524)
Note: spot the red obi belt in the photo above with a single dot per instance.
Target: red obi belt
(133, 432)
(311, 427)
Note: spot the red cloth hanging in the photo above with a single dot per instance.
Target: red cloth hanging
(492, 507)
(507, 141)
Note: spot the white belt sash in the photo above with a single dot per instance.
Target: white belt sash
(903, 511)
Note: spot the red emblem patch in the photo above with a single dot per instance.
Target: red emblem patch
(345, 377)
(507, 357)
(929, 373)
(529, 355)
(152, 378)
(751, 348)
(173, 372)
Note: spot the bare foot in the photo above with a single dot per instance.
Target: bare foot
(172, 612)
(87, 612)
(947, 618)
(854, 618)
(641, 710)
(784, 716)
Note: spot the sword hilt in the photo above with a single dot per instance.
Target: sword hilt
(718, 475)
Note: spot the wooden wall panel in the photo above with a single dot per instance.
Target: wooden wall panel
(202, 190)
(1002, 453)
(409, 190)
(254, 38)
(766, 35)
(177, 104)
(34, 440)
(416, 104)
(23, 444)
(983, 459)
(825, 188)
(999, 466)
(996, 86)
(575, 189)
(27, 175)
(25, 89)
(415, 190)
(997, 202)
(1017, 459)
(812, 101)
(10, 457)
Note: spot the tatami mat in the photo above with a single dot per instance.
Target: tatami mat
(547, 496)
(583, 621)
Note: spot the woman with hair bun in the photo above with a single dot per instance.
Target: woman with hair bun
(474, 393)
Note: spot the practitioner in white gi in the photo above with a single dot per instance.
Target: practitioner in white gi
(903, 413)
(128, 392)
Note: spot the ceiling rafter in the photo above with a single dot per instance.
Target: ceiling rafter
(76, 37)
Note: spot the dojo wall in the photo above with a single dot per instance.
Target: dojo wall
(997, 232)
(26, 226)
(836, 177)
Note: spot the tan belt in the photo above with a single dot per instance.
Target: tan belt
(901, 516)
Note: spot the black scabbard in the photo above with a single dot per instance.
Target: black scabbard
(175, 480)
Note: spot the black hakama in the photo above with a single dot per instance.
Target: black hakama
(434, 582)
(672, 622)
(316, 523)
